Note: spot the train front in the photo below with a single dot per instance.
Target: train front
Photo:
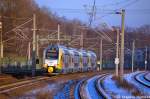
(51, 59)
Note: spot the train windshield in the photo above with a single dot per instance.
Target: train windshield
(52, 54)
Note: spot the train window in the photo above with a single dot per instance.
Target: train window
(85, 59)
(51, 54)
(70, 60)
(76, 59)
(66, 58)
(37, 61)
(61, 58)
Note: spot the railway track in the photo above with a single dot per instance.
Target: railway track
(100, 88)
(140, 78)
(95, 85)
(147, 77)
(77, 94)
(13, 86)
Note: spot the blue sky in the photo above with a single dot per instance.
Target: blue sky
(137, 11)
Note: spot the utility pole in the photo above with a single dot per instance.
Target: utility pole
(101, 55)
(58, 31)
(34, 46)
(117, 52)
(1, 42)
(133, 52)
(122, 43)
(29, 52)
(81, 40)
(146, 58)
(37, 46)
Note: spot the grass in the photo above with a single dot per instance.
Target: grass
(125, 85)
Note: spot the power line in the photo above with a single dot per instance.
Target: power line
(110, 11)
(114, 4)
(18, 26)
(130, 3)
(125, 3)
(93, 13)
(103, 11)
(14, 18)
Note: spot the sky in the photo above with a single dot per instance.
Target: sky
(137, 11)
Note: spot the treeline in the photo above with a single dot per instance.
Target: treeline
(16, 12)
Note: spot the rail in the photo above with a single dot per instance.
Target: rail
(138, 79)
(10, 87)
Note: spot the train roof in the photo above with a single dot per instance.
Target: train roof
(56, 45)
(92, 53)
(80, 51)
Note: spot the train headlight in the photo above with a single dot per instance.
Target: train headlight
(50, 69)
(45, 65)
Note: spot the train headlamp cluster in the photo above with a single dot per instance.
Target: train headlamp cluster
(50, 69)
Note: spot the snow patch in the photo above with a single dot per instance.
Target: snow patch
(130, 79)
(111, 88)
(90, 88)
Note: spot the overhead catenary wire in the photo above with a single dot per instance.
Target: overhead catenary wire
(93, 13)
(14, 18)
(130, 3)
(109, 12)
(18, 26)
(115, 4)
(98, 10)
(125, 3)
